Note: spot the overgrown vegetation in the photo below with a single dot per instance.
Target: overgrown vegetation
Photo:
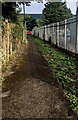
(65, 70)
(13, 33)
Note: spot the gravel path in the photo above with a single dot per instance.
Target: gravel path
(33, 92)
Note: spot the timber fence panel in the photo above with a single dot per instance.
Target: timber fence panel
(13, 37)
(5, 38)
(0, 49)
(10, 43)
(7, 41)
(77, 34)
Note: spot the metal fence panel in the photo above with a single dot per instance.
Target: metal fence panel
(71, 34)
(54, 34)
(62, 34)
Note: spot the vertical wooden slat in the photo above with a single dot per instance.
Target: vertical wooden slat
(7, 40)
(0, 50)
(10, 43)
(4, 44)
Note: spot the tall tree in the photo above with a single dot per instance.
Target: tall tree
(9, 11)
(24, 5)
(56, 12)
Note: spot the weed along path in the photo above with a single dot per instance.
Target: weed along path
(33, 91)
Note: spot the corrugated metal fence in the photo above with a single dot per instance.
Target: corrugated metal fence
(63, 34)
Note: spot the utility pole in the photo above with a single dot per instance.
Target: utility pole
(24, 6)
(24, 13)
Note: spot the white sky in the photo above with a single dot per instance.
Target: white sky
(36, 8)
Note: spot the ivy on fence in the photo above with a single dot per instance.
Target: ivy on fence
(12, 39)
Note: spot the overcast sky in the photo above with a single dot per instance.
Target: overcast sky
(36, 8)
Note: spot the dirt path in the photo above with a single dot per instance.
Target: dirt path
(33, 91)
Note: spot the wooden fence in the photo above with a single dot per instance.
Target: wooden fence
(12, 38)
(0, 50)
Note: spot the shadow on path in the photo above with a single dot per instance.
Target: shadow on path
(33, 91)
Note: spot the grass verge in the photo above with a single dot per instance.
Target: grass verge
(65, 70)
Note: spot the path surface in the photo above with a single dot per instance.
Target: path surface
(33, 91)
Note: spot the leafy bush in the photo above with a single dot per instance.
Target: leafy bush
(65, 70)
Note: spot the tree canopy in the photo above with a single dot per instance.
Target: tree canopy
(56, 12)
(9, 11)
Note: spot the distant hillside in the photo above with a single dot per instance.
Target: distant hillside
(36, 16)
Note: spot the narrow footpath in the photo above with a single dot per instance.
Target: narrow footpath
(33, 91)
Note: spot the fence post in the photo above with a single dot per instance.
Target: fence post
(24, 36)
(7, 40)
(0, 49)
(57, 34)
(65, 35)
(10, 44)
(0, 60)
(4, 44)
